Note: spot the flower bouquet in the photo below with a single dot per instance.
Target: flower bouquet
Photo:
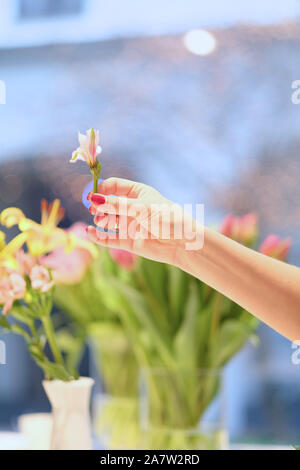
(26, 299)
(183, 333)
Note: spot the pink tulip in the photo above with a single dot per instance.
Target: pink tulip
(228, 225)
(241, 229)
(89, 148)
(248, 228)
(69, 268)
(40, 278)
(275, 247)
(123, 258)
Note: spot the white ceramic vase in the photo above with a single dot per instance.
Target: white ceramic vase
(71, 414)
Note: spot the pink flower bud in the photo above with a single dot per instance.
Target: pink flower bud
(241, 229)
(40, 278)
(18, 285)
(248, 229)
(89, 148)
(123, 258)
(275, 247)
(227, 226)
(12, 287)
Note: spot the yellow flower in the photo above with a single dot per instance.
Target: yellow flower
(40, 238)
(2, 240)
(7, 252)
(11, 216)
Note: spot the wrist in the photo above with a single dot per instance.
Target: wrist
(189, 250)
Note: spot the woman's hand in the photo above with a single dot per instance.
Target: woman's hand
(151, 226)
(139, 219)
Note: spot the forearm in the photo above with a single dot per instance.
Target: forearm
(267, 288)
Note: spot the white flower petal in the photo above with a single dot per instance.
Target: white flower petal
(83, 140)
(77, 155)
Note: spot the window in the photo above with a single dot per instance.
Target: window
(31, 9)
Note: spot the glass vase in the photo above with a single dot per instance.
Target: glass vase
(115, 399)
(182, 409)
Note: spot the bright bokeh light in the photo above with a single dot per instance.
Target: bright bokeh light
(200, 42)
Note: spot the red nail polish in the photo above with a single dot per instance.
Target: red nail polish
(90, 209)
(97, 199)
(86, 229)
(89, 196)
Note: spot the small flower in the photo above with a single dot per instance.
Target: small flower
(40, 238)
(88, 151)
(275, 247)
(89, 148)
(18, 285)
(12, 287)
(6, 299)
(241, 229)
(123, 258)
(69, 268)
(40, 278)
(25, 261)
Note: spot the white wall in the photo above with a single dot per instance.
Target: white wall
(103, 19)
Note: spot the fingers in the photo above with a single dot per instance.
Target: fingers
(109, 240)
(118, 206)
(107, 221)
(120, 187)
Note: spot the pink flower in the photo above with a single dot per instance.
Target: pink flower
(6, 298)
(25, 261)
(275, 247)
(69, 268)
(79, 229)
(241, 229)
(40, 278)
(12, 287)
(123, 258)
(18, 285)
(228, 225)
(89, 148)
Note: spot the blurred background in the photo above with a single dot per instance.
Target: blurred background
(192, 98)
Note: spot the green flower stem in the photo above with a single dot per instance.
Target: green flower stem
(33, 331)
(95, 184)
(96, 173)
(49, 330)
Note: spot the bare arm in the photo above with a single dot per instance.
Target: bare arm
(267, 288)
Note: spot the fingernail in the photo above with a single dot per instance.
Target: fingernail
(86, 229)
(89, 195)
(90, 209)
(97, 199)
